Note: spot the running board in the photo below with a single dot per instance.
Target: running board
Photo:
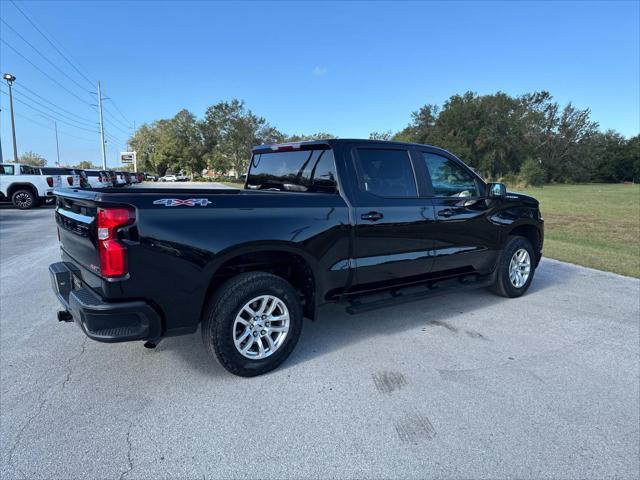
(358, 304)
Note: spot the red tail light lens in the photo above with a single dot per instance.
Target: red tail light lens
(70, 180)
(50, 181)
(99, 177)
(113, 253)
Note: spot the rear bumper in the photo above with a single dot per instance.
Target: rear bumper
(103, 321)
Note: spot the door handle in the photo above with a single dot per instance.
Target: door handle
(371, 216)
(447, 212)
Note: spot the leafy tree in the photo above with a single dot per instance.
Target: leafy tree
(312, 137)
(532, 173)
(229, 132)
(388, 135)
(32, 158)
(85, 165)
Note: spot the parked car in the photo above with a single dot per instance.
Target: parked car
(150, 177)
(70, 177)
(366, 223)
(127, 177)
(25, 186)
(98, 178)
(169, 178)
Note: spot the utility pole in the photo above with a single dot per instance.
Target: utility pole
(104, 154)
(55, 124)
(10, 79)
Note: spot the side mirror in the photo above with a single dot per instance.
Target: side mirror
(497, 190)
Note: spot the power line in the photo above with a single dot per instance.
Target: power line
(120, 122)
(26, 117)
(120, 112)
(42, 55)
(51, 43)
(71, 118)
(117, 127)
(48, 115)
(44, 73)
(22, 87)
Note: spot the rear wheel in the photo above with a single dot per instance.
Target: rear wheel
(252, 323)
(23, 199)
(515, 269)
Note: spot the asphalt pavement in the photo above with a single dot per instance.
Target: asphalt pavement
(468, 385)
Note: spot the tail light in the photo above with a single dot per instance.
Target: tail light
(50, 181)
(70, 180)
(100, 177)
(113, 253)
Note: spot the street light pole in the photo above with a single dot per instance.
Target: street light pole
(10, 79)
(104, 154)
(55, 124)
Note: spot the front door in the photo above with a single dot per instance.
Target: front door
(464, 239)
(391, 244)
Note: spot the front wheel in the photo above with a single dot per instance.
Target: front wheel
(515, 268)
(252, 323)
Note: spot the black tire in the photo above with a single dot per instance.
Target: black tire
(503, 285)
(226, 303)
(24, 199)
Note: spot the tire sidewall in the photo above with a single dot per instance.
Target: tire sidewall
(21, 192)
(514, 245)
(227, 311)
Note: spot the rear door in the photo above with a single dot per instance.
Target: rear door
(392, 244)
(464, 240)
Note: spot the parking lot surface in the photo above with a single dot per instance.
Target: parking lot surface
(468, 385)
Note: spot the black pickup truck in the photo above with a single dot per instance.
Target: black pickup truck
(367, 223)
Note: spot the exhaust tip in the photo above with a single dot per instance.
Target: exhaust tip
(150, 345)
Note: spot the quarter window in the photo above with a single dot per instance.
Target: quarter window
(448, 178)
(386, 173)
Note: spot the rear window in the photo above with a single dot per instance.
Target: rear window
(311, 171)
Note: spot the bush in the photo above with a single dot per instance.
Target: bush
(532, 173)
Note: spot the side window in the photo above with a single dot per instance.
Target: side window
(386, 173)
(27, 170)
(6, 169)
(449, 179)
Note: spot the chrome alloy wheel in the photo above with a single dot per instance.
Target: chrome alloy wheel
(261, 327)
(23, 200)
(519, 268)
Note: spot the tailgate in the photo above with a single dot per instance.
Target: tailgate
(76, 218)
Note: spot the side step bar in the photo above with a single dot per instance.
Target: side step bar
(359, 304)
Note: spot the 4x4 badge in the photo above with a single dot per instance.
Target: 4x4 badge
(177, 202)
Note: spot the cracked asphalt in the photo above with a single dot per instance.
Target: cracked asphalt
(468, 385)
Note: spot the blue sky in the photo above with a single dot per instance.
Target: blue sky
(344, 68)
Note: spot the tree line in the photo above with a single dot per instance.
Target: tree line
(527, 139)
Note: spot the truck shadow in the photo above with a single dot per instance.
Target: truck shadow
(335, 329)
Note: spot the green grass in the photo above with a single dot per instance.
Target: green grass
(595, 225)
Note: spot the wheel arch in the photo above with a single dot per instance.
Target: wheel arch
(22, 186)
(532, 233)
(282, 259)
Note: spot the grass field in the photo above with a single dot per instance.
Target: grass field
(596, 225)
